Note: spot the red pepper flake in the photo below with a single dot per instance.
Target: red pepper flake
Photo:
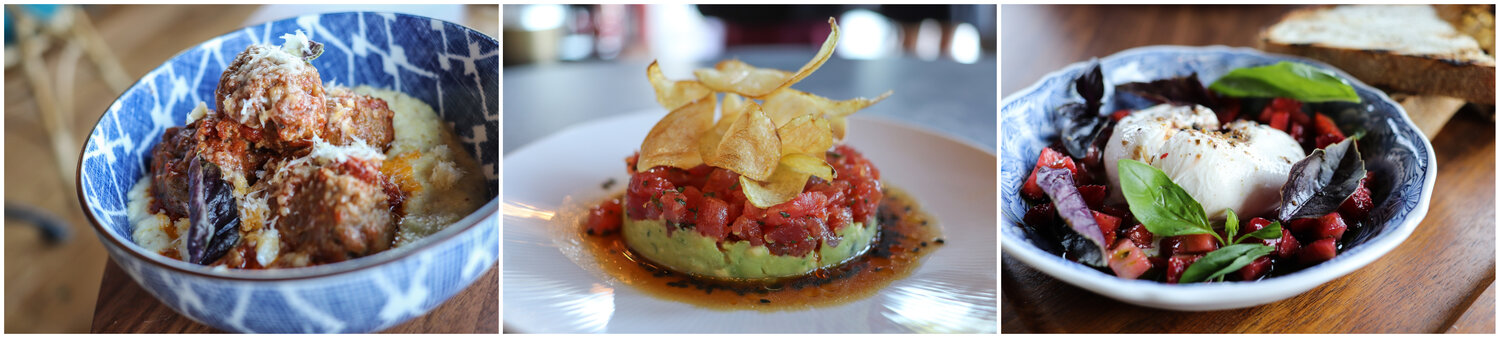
(1163, 155)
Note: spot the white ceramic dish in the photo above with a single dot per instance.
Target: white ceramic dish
(551, 285)
(1402, 159)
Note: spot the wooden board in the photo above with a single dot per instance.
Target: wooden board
(1440, 280)
(124, 307)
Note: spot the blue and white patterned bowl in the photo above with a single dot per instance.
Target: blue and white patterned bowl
(450, 67)
(1394, 149)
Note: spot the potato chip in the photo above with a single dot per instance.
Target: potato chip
(673, 140)
(806, 164)
(806, 134)
(838, 125)
(749, 147)
(786, 104)
(734, 106)
(742, 78)
(673, 95)
(786, 182)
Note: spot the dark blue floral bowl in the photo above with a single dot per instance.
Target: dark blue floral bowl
(450, 67)
(1402, 159)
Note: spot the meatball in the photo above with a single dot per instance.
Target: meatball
(226, 143)
(354, 116)
(332, 210)
(270, 89)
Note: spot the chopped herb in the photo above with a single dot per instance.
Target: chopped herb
(765, 301)
(608, 183)
(939, 241)
(835, 155)
(786, 215)
(680, 201)
(680, 189)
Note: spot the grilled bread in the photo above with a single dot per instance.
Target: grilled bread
(1404, 48)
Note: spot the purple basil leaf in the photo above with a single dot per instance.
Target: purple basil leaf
(1083, 237)
(1321, 182)
(1079, 124)
(1182, 90)
(212, 213)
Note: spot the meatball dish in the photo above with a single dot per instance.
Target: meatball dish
(284, 170)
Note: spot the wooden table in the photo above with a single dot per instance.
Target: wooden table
(124, 307)
(1440, 280)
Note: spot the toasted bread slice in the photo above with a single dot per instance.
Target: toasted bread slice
(1405, 48)
(1477, 21)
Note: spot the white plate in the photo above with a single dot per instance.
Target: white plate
(551, 285)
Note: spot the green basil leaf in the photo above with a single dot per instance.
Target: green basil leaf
(1231, 225)
(1159, 204)
(1271, 231)
(1285, 79)
(1223, 261)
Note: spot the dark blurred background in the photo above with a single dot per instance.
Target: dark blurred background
(552, 33)
(571, 64)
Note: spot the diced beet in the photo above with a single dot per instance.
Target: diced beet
(1107, 225)
(1298, 133)
(1042, 216)
(1093, 195)
(1190, 244)
(1256, 224)
(1177, 264)
(1302, 226)
(1330, 226)
(1298, 117)
(1127, 260)
(1257, 268)
(1051, 159)
(1228, 111)
(1287, 246)
(1139, 235)
(1317, 252)
(1359, 204)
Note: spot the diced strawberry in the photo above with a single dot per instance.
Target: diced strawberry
(1051, 159)
(1287, 246)
(1265, 114)
(1042, 216)
(1254, 225)
(1286, 104)
(1139, 235)
(1119, 114)
(1124, 214)
(1323, 140)
(1325, 125)
(1127, 260)
(1359, 204)
(1280, 119)
(1177, 264)
(1330, 226)
(1189, 244)
(1093, 195)
(1257, 268)
(1300, 117)
(1107, 225)
(1317, 252)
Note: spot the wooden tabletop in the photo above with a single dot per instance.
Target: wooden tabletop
(124, 307)
(1441, 279)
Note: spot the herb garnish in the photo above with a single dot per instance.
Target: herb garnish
(1166, 210)
(1285, 79)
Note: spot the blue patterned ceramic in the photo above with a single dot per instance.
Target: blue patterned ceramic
(1394, 149)
(450, 67)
